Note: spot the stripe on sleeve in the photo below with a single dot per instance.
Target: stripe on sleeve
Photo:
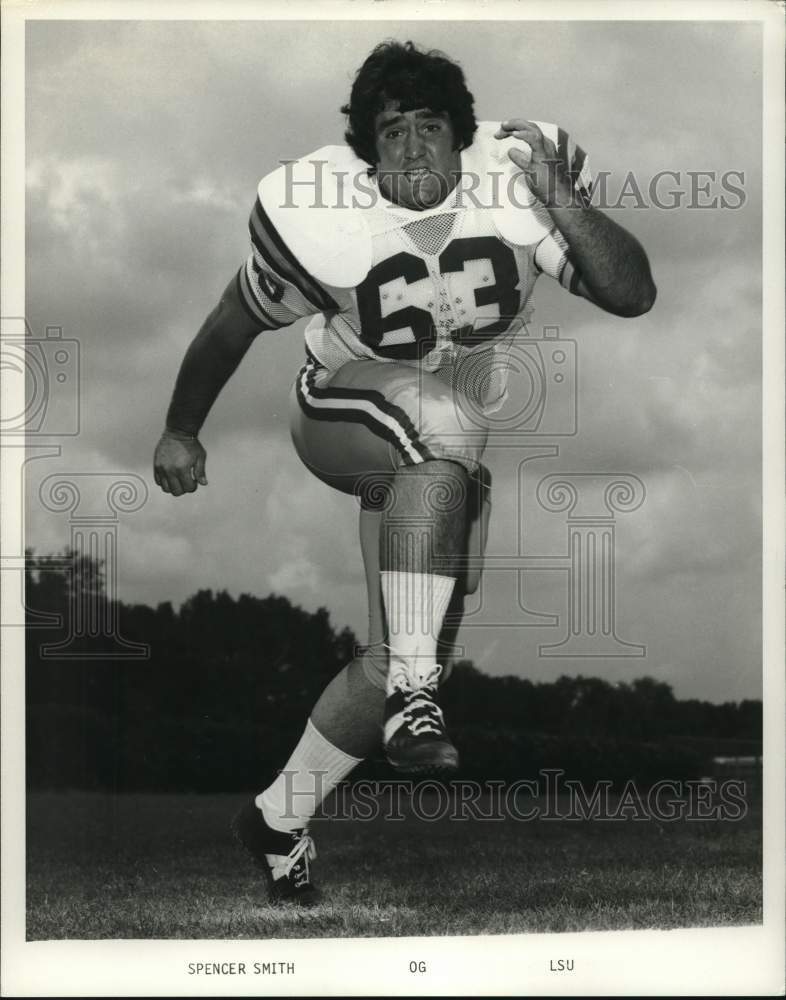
(251, 301)
(277, 254)
(562, 148)
(272, 288)
(552, 257)
(578, 163)
(248, 303)
(580, 175)
(551, 254)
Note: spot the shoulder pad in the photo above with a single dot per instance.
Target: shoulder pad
(519, 217)
(309, 202)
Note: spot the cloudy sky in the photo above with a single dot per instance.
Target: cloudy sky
(145, 142)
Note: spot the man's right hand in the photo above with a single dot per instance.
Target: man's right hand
(179, 463)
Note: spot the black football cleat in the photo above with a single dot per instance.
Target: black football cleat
(415, 739)
(283, 857)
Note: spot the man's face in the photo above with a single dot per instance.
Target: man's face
(417, 163)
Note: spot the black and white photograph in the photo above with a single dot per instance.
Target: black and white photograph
(392, 528)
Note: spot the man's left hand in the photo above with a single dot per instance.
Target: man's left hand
(546, 175)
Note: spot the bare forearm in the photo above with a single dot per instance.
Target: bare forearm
(210, 360)
(611, 261)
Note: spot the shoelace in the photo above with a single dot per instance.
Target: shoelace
(405, 681)
(421, 713)
(304, 850)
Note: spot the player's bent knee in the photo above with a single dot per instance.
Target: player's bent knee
(460, 449)
(466, 456)
(447, 434)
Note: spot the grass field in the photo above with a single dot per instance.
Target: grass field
(165, 866)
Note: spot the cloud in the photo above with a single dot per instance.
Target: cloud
(145, 143)
(689, 528)
(298, 574)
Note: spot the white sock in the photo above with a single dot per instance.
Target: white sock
(310, 775)
(415, 606)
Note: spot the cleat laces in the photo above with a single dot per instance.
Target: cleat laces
(298, 858)
(421, 713)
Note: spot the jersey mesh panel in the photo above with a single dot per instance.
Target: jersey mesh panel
(430, 235)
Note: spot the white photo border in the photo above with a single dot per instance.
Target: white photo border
(722, 961)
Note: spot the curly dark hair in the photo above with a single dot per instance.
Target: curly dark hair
(414, 79)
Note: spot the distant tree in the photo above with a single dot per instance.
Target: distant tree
(229, 682)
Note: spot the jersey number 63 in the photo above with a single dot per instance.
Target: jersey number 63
(408, 333)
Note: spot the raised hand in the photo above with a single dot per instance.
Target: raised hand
(546, 175)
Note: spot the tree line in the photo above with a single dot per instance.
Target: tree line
(228, 683)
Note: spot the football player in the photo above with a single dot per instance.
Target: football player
(414, 249)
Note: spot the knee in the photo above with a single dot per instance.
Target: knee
(447, 433)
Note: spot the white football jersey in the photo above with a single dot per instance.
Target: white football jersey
(444, 288)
